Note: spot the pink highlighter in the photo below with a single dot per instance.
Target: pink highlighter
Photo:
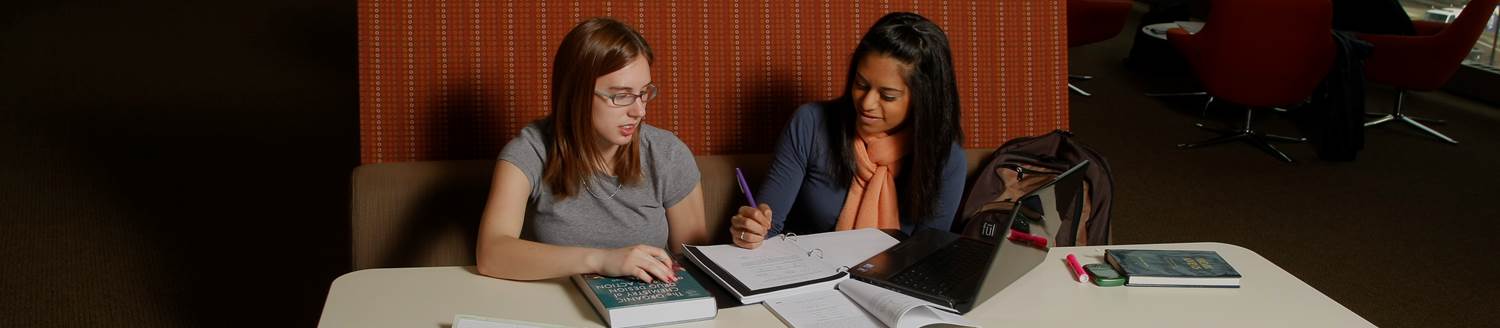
(1029, 239)
(1082, 276)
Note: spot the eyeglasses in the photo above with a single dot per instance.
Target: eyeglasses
(626, 99)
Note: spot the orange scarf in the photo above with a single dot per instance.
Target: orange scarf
(872, 201)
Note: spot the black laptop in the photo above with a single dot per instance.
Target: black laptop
(956, 272)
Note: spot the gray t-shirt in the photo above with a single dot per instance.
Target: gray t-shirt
(605, 214)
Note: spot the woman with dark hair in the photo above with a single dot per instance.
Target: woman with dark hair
(884, 155)
(604, 192)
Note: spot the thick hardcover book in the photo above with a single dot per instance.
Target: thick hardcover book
(1173, 268)
(627, 302)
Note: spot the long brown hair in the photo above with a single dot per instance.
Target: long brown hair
(594, 48)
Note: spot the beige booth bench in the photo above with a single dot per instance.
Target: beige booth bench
(415, 214)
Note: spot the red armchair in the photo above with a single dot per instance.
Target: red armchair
(1259, 54)
(1424, 62)
(1091, 21)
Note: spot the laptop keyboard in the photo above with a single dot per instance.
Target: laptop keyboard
(958, 263)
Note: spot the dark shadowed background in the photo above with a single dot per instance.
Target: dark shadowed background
(174, 163)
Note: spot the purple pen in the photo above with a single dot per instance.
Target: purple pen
(744, 187)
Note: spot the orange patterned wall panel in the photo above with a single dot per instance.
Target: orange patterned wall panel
(458, 79)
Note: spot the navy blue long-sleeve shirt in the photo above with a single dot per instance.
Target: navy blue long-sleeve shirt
(803, 194)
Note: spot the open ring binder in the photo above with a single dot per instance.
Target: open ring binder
(790, 236)
(789, 264)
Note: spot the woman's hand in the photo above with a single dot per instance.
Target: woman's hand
(640, 261)
(749, 227)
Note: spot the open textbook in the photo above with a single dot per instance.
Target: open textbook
(857, 304)
(788, 265)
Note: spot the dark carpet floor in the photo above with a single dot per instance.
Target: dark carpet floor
(1402, 235)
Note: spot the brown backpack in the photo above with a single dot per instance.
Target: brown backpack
(1024, 164)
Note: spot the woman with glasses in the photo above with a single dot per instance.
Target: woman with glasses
(604, 191)
(883, 155)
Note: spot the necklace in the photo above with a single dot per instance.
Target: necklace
(587, 186)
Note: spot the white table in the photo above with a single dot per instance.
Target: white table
(1044, 297)
(1159, 30)
(1268, 297)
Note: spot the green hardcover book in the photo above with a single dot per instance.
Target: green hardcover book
(628, 302)
(1173, 268)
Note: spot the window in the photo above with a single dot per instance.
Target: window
(1484, 51)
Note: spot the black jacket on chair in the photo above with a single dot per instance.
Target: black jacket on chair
(1334, 120)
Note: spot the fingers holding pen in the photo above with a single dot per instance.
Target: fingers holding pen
(765, 215)
(746, 232)
(751, 231)
(761, 215)
(749, 227)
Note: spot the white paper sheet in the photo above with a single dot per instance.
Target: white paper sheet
(828, 308)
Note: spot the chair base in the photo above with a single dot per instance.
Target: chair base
(1412, 121)
(1206, 104)
(1076, 88)
(1396, 115)
(1418, 119)
(1248, 135)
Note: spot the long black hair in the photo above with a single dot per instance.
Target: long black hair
(932, 113)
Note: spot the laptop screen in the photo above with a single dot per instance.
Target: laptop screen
(1013, 260)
